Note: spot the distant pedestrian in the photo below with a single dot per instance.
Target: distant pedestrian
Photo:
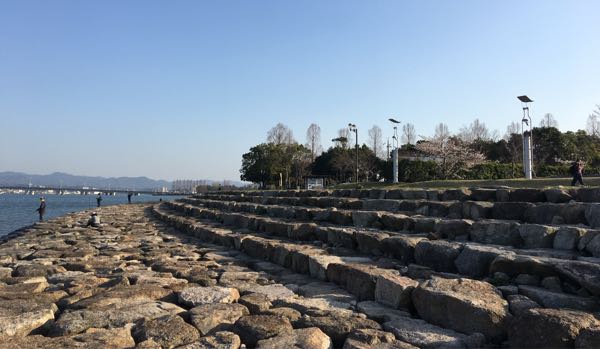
(129, 195)
(577, 172)
(42, 209)
(94, 220)
(99, 199)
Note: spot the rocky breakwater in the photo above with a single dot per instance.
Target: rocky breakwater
(345, 269)
(137, 282)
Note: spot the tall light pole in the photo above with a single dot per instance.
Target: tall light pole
(526, 128)
(395, 150)
(353, 128)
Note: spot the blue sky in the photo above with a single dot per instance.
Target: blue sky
(181, 89)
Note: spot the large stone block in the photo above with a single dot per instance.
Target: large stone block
(510, 210)
(527, 195)
(558, 300)
(464, 305)
(592, 215)
(358, 279)
(557, 196)
(537, 236)
(496, 232)
(425, 335)
(477, 209)
(453, 228)
(370, 242)
(438, 255)
(548, 328)
(401, 247)
(475, 260)
(567, 238)
(363, 219)
(394, 290)
(381, 205)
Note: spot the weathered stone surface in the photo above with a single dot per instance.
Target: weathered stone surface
(557, 195)
(291, 314)
(219, 340)
(537, 236)
(195, 296)
(363, 219)
(588, 338)
(369, 338)
(593, 246)
(370, 242)
(122, 293)
(519, 303)
(464, 305)
(559, 300)
(253, 328)
(401, 247)
(20, 317)
(379, 312)
(357, 279)
(168, 331)
(305, 338)
(424, 335)
(585, 274)
(592, 215)
(95, 338)
(567, 238)
(337, 327)
(216, 316)
(255, 302)
(475, 260)
(77, 321)
(438, 255)
(394, 290)
(496, 232)
(274, 291)
(548, 328)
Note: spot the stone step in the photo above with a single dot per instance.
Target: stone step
(572, 213)
(468, 312)
(567, 241)
(555, 195)
(470, 260)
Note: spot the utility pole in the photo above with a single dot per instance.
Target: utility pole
(395, 151)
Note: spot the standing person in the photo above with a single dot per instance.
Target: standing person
(99, 199)
(42, 209)
(129, 197)
(577, 172)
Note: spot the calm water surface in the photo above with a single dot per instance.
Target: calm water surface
(19, 210)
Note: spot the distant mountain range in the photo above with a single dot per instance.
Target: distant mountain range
(58, 179)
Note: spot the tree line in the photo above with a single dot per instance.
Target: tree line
(474, 152)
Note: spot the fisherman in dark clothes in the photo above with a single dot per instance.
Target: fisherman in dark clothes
(42, 209)
(99, 199)
(129, 197)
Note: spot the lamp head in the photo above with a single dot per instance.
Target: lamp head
(525, 99)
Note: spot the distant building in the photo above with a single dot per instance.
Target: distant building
(187, 185)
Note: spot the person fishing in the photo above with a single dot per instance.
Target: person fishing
(42, 209)
(99, 199)
(94, 220)
(129, 195)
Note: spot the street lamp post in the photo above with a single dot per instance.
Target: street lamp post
(354, 129)
(395, 144)
(526, 128)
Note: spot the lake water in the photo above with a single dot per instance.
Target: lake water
(19, 210)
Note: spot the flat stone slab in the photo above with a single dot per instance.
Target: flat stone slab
(195, 296)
